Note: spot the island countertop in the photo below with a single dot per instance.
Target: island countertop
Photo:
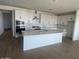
(39, 38)
(39, 32)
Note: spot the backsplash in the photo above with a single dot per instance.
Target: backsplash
(29, 25)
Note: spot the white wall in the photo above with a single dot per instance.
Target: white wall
(76, 29)
(1, 23)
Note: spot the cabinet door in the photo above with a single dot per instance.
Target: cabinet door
(17, 14)
(23, 16)
(45, 19)
(53, 20)
(49, 20)
(20, 15)
(30, 16)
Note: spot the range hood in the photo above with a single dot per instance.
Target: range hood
(36, 16)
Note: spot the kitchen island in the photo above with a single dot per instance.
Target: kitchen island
(39, 38)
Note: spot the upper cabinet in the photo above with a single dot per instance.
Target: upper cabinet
(53, 19)
(49, 19)
(25, 15)
(64, 19)
(45, 19)
(29, 17)
(20, 15)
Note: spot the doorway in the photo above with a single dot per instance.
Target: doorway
(6, 22)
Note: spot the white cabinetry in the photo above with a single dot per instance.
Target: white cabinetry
(49, 20)
(53, 19)
(20, 15)
(30, 15)
(45, 18)
(37, 41)
(63, 19)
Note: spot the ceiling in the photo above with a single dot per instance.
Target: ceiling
(54, 6)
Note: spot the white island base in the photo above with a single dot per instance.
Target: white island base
(41, 40)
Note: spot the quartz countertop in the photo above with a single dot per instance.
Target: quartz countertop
(39, 32)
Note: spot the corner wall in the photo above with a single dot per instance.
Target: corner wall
(76, 28)
(1, 23)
